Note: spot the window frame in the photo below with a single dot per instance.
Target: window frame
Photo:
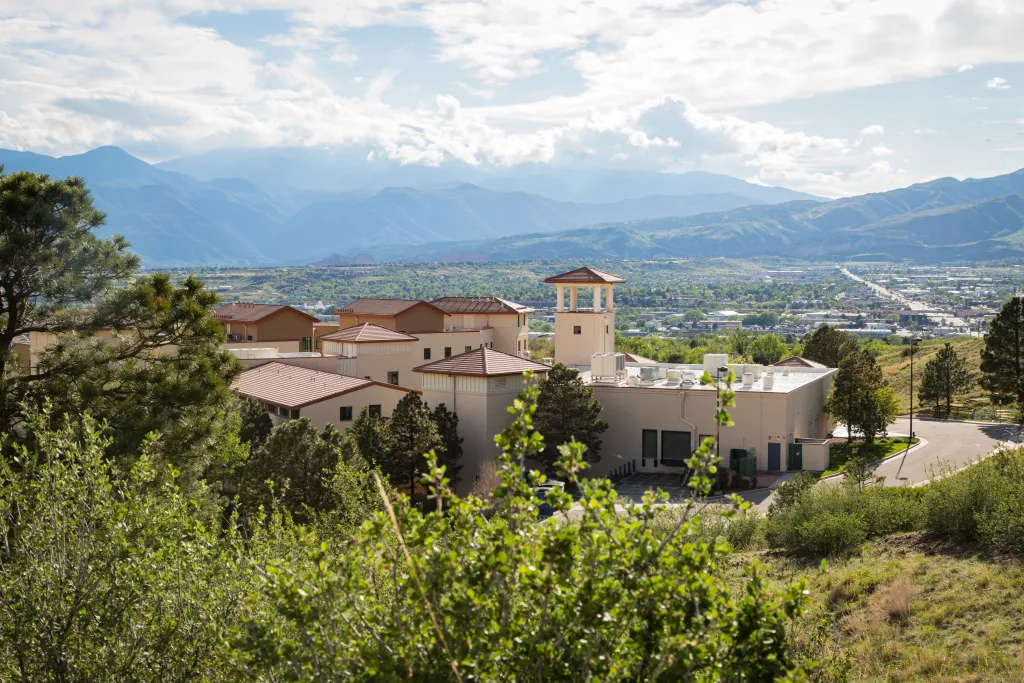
(343, 411)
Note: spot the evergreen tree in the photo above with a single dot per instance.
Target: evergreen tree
(57, 278)
(829, 345)
(256, 423)
(295, 466)
(946, 377)
(566, 410)
(372, 438)
(1002, 361)
(849, 403)
(412, 434)
(450, 452)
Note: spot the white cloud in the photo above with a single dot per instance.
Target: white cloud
(997, 83)
(874, 129)
(964, 67)
(881, 151)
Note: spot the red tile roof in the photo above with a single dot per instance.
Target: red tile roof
(479, 304)
(293, 386)
(244, 312)
(366, 333)
(583, 276)
(382, 307)
(482, 363)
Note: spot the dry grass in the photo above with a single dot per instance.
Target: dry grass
(486, 480)
(908, 609)
(896, 366)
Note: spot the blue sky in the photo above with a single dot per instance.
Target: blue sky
(829, 96)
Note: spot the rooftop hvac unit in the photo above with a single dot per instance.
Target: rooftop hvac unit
(785, 371)
(748, 380)
(649, 373)
(769, 381)
(713, 361)
(632, 381)
(251, 353)
(770, 371)
(687, 377)
(607, 365)
(674, 376)
(758, 370)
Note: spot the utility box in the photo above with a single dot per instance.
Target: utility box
(748, 466)
(735, 455)
(795, 461)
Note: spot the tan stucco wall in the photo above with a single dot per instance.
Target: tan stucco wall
(597, 334)
(327, 412)
(420, 319)
(509, 330)
(290, 346)
(283, 325)
(759, 417)
(482, 407)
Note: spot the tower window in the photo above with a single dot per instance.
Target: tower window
(576, 329)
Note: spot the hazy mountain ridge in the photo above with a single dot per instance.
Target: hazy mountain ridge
(174, 219)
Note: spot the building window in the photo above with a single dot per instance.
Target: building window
(470, 348)
(650, 446)
(295, 414)
(675, 448)
(576, 329)
(319, 345)
(393, 377)
(345, 413)
(307, 344)
(447, 352)
(374, 410)
(272, 409)
(606, 329)
(249, 338)
(426, 354)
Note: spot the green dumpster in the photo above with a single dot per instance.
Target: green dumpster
(796, 457)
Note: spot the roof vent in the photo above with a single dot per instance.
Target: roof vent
(649, 374)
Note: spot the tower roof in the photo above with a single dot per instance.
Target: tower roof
(483, 362)
(584, 276)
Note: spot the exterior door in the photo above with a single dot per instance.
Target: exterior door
(774, 457)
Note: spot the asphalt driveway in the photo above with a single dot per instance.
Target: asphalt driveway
(951, 445)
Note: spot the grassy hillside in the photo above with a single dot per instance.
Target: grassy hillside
(908, 608)
(895, 363)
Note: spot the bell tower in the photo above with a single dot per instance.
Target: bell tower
(582, 332)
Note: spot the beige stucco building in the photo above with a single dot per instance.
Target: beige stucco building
(248, 322)
(581, 332)
(290, 392)
(478, 386)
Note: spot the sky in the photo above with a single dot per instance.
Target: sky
(835, 97)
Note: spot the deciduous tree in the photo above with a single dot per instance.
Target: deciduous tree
(854, 400)
(829, 345)
(767, 349)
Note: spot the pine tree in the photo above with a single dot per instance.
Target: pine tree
(1002, 361)
(412, 434)
(858, 377)
(450, 454)
(829, 345)
(946, 377)
(567, 409)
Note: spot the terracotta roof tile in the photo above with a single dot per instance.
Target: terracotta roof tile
(365, 333)
(479, 304)
(244, 312)
(583, 276)
(482, 363)
(383, 307)
(293, 386)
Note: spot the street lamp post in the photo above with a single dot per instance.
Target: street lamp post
(910, 437)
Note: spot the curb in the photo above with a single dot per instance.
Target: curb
(920, 442)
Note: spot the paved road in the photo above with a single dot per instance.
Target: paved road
(951, 445)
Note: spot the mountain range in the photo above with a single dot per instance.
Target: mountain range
(263, 207)
(173, 218)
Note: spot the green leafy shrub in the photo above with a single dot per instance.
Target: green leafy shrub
(809, 521)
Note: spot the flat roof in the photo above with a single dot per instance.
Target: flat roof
(293, 386)
(784, 382)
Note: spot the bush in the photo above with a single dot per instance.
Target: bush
(832, 533)
(982, 504)
(836, 518)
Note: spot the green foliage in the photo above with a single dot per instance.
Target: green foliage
(451, 595)
(295, 467)
(412, 433)
(982, 504)
(788, 493)
(763, 319)
(1002, 361)
(566, 411)
(256, 423)
(829, 346)
(450, 448)
(860, 399)
(946, 377)
(834, 518)
(767, 349)
(107, 578)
